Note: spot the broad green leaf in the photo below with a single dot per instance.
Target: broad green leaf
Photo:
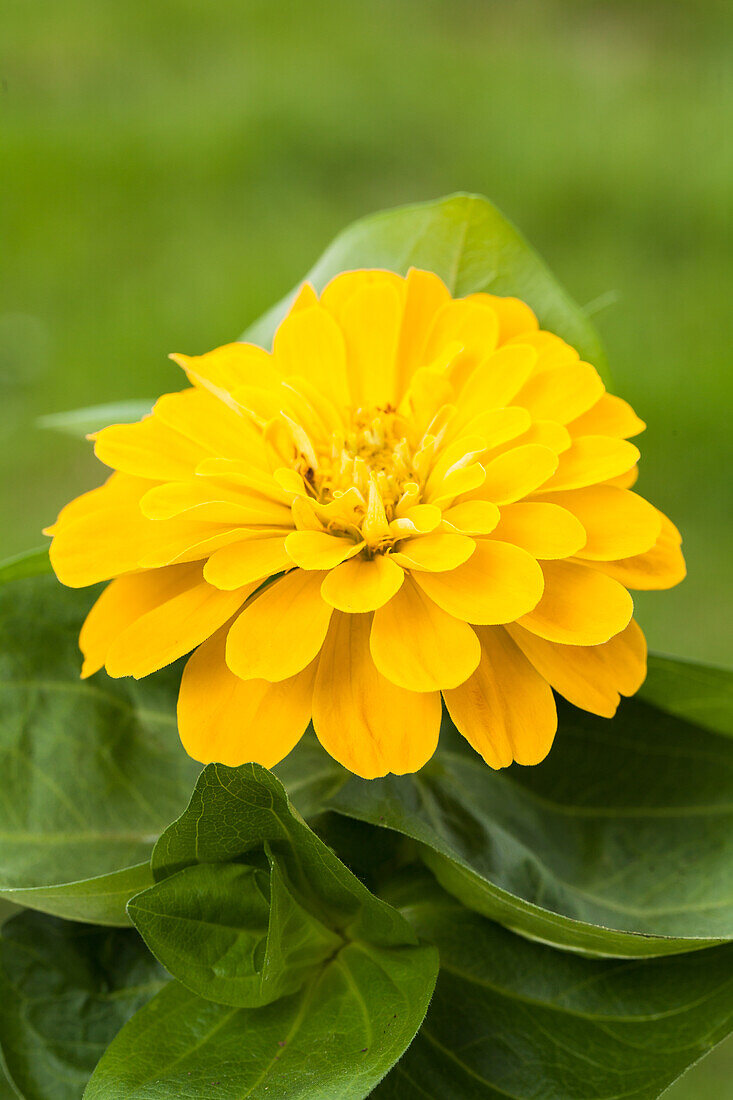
(31, 563)
(702, 694)
(65, 991)
(620, 843)
(83, 422)
(92, 771)
(100, 900)
(512, 1018)
(232, 932)
(239, 850)
(332, 1040)
(7, 1092)
(310, 775)
(467, 242)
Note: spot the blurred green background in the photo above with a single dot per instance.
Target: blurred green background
(170, 168)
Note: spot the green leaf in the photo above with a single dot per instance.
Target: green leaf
(512, 1018)
(310, 775)
(467, 242)
(249, 902)
(65, 991)
(702, 694)
(100, 900)
(31, 563)
(364, 980)
(335, 1038)
(620, 843)
(83, 422)
(92, 771)
(232, 932)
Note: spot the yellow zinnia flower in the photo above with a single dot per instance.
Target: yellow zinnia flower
(411, 495)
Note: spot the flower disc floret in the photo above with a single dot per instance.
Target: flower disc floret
(411, 497)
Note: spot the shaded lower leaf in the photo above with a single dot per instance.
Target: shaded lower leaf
(335, 1038)
(7, 1092)
(702, 694)
(92, 770)
(619, 843)
(101, 900)
(249, 903)
(310, 775)
(511, 1018)
(234, 812)
(232, 932)
(65, 991)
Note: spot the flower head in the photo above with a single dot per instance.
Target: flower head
(412, 495)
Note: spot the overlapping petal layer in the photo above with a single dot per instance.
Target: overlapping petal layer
(410, 495)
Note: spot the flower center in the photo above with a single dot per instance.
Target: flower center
(364, 478)
(374, 448)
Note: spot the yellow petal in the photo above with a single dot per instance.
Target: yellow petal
(229, 367)
(552, 351)
(370, 321)
(104, 534)
(148, 449)
(580, 606)
(418, 646)
(472, 517)
(514, 316)
(458, 455)
(497, 427)
(464, 479)
(497, 584)
(98, 536)
(305, 297)
(239, 477)
(281, 631)
(496, 381)
(661, 567)
(428, 391)
(547, 434)
(473, 326)
(125, 600)
(563, 393)
(309, 342)
(225, 720)
(211, 424)
(505, 710)
(590, 459)
(117, 489)
(249, 560)
(514, 474)
(437, 552)
(609, 416)
(366, 722)
(589, 677)
(172, 629)
(171, 542)
(206, 498)
(342, 287)
(305, 517)
(319, 549)
(543, 530)
(419, 519)
(425, 293)
(618, 523)
(624, 481)
(362, 584)
(305, 395)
